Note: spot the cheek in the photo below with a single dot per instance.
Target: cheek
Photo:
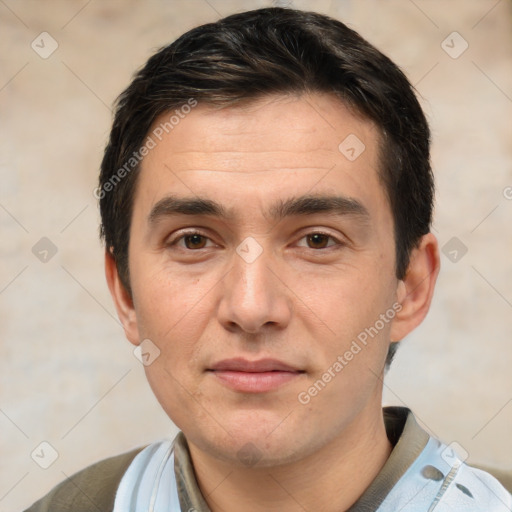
(175, 319)
(170, 304)
(171, 389)
(346, 300)
(173, 315)
(350, 309)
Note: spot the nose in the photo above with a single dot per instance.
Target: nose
(254, 297)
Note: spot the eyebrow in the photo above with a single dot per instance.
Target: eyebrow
(303, 206)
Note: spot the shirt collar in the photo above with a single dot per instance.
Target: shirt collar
(404, 433)
(408, 440)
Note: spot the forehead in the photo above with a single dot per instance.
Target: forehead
(278, 145)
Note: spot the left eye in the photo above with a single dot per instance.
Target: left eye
(319, 240)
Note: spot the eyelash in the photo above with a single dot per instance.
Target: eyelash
(185, 234)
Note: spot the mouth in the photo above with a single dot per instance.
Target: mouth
(259, 376)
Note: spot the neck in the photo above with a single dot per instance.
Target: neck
(330, 480)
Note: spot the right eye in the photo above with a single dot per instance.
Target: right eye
(191, 240)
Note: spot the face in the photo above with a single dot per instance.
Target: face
(262, 265)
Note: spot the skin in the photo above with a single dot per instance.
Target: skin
(302, 301)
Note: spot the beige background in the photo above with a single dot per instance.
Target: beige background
(67, 375)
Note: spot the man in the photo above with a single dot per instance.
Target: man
(266, 199)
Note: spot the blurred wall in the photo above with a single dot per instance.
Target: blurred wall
(69, 378)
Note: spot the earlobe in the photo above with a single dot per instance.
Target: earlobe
(122, 300)
(415, 290)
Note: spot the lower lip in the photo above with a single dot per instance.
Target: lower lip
(254, 382)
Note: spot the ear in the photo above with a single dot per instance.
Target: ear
(415, 290)
(122, 300)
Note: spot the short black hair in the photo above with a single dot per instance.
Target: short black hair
(258, 53)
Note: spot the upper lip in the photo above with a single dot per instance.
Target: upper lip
(239, 364)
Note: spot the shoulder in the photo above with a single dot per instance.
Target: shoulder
(503, 476)
(481, 490)
(93, 488)
(456, 485)
(436, 476)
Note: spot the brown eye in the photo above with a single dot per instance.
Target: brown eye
(318, 240)
(194, 241)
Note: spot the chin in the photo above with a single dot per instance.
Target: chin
(257, 453)
(254, 442)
